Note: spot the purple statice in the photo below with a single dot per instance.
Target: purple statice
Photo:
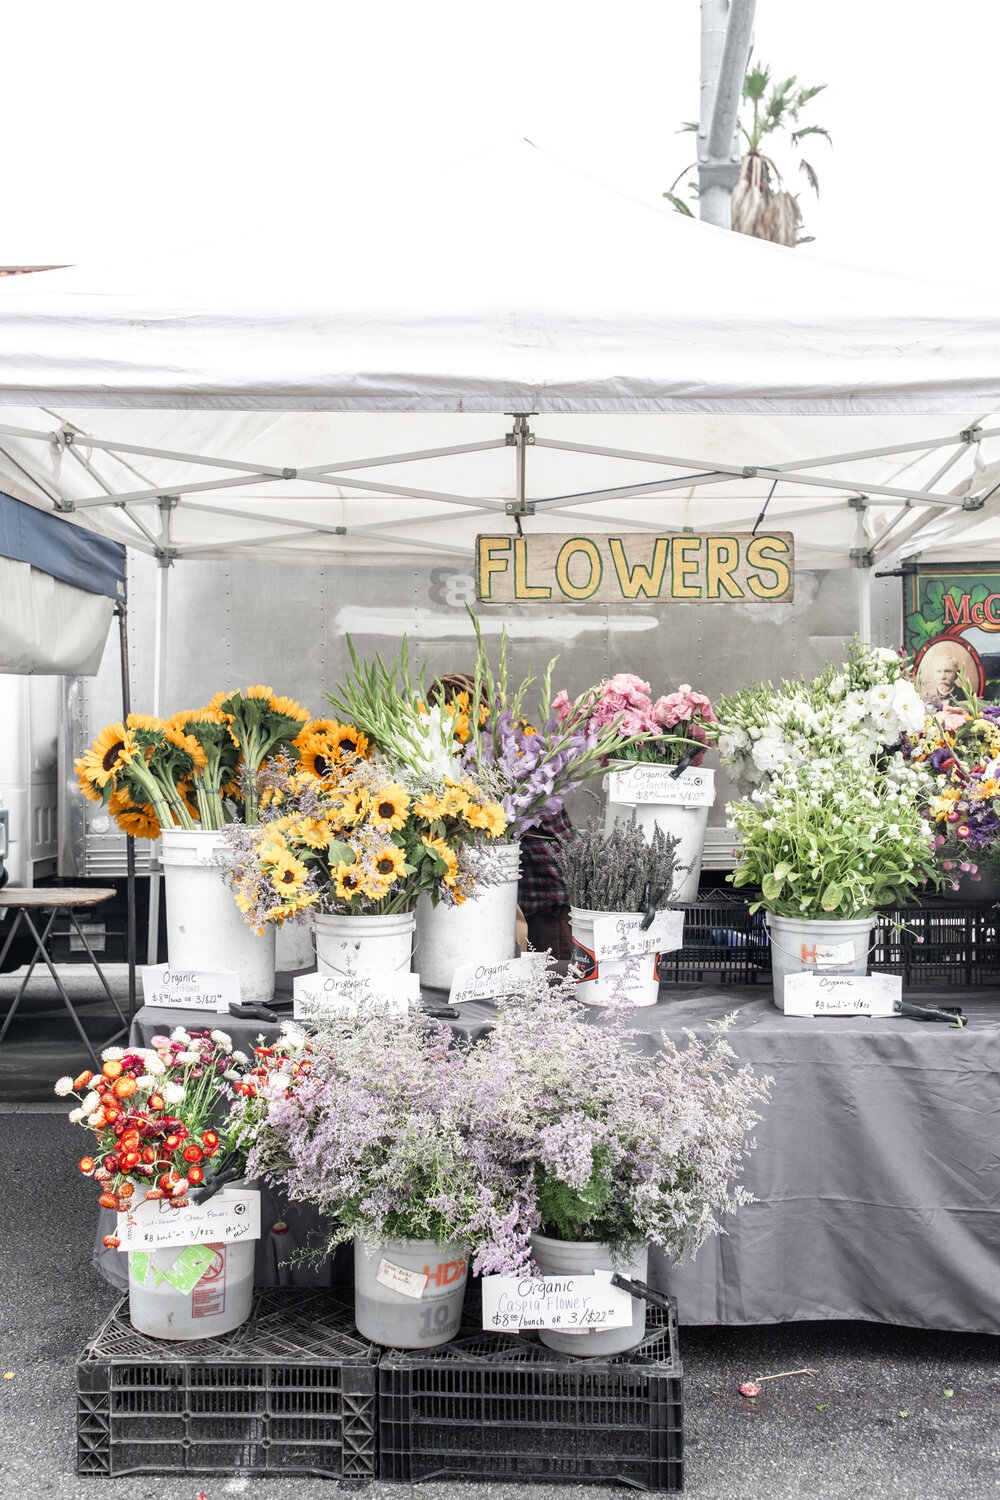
(608, 1141)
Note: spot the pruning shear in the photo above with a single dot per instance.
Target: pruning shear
(685, 761)
(227, 1171)
(650, 905)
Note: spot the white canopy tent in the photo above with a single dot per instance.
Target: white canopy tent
(506, 344)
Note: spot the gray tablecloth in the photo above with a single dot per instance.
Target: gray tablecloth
(876, 1173)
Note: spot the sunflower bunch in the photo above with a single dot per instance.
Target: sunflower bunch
(181, 772)
(359, 839)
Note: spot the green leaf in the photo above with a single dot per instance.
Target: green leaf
(824, 1407)
(783, 870)
(832, 897)
(771, 886)
(948, 1392)
(340, 853)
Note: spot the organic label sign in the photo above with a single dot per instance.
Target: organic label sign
(342, 994)
(190, 989)
(843, 994)
(648, 783)
(232, 1215)
(480, 981)
(606, 569)
(571, 1303)
(619, 935)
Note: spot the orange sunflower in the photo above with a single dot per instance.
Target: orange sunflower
(136, 818)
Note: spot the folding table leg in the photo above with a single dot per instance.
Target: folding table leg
(44, 956)
(93, 959)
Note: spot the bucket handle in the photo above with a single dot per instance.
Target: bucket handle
(402, 967)
(791, 951)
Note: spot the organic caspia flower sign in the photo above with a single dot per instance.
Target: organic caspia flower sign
(620, 935)
(642, 784)
(480, 981)
(231, 1215)
(572, 1303)
(190, 989)
(843, 994)
(344, 994)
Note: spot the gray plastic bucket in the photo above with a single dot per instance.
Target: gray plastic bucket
(218, 1303)
(582, 1258)
(386, 1316)
(808, 945)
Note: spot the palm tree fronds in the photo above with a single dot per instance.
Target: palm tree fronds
(811, 177)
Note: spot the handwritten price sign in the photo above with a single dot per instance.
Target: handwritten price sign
(568, 1302)
(643, 784)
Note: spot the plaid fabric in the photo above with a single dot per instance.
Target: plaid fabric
(542, 887)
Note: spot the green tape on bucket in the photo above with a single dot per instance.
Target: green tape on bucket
(138, 1264)
(189, 1267)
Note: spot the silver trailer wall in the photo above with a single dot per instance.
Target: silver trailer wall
(235, 623)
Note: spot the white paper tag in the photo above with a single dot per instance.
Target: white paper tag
(829, 955)
(190, 989)
(620, 936)
(232, 1215)
(652, 783)
(573, 1303)
(342, 994)
(480, 981)
(399, 1279)
(842, 994)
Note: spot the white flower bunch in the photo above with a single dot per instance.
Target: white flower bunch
(852, 716)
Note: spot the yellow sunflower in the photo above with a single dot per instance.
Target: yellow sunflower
(287, 874)
(373, 887)
(311, 831)
(489, 817)
(317, 745)
(441, 849)
(387, 808)
(349, 742)
(289, 709)
(346, 881)
(454, 800)
(390, 864)
(188, 744)
(114, 748)
(429, 807)
(136, 818)
(265, 694)
(148, 722)
(351, 808)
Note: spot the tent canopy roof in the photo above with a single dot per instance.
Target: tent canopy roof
(510, 285)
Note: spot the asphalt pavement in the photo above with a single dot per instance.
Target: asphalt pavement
(889, 1412)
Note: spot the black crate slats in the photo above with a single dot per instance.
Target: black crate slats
(292, 1391)
(495, 1406)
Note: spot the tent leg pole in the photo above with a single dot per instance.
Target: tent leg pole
(159, 676)
(120, 610)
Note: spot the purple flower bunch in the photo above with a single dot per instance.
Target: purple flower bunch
(537, 768)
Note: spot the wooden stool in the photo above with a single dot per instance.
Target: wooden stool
(67, 900)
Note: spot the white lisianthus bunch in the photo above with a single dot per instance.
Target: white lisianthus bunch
(853, 715)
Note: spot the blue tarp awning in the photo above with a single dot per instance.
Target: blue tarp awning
(60, 549)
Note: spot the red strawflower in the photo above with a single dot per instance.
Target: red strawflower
(111, 1242)
(192, 1153)
(87, 1165)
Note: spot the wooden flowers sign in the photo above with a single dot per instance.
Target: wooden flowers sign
(608, 569)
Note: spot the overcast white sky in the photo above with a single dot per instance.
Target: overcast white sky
(162, 122)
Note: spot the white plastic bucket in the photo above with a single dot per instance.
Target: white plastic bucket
(686, 824)
(610, 981)
(481, 930)
(205, 928)
(813, 945)
(583, 1258)
(400, 1321)
(218, 1302)
(346, 944)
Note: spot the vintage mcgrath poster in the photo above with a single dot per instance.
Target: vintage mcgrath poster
(951, 622)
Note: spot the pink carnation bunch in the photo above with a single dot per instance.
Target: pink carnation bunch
(675, 720)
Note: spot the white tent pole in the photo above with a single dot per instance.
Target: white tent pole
(167, 504)
(726, 27)
(863, 564)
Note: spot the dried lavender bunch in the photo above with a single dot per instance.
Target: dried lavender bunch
(610, 871)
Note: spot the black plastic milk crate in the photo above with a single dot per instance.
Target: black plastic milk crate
(939, 942)
(292, 1391)
(723, 942)
(502, 1406)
